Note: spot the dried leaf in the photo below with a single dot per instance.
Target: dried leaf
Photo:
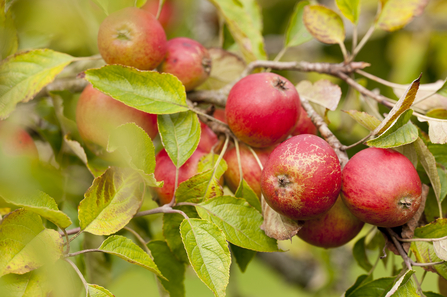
(438, 100)
(396, 14)
(322, 92)
(437, 129)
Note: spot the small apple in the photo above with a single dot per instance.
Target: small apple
(304, 125)
(250, 167)
(132, 37)
(15, 141)
(207, 138)
(335, 228)
(188, 60)
(302, 177)
(97, 114)
(262, 109)
(167, 13)
(381, 187)
(165, 171)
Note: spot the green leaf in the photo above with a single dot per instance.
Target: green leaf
(350, 9)
(180, 135)
(29, 284)
(25, 244)
(149, 91)
(438, 151)
(170, 267)
(443, 177)
(425, 253)
(209, 161)
(171, 231)
(431, 294)
(7, 4)
(8, 33)
(244, 29)
(402, 132)
(428, 161)
(435, 229)
(244, 191)
(243, 256)
(443, 89)
(134, 145)
(202, 186)
(208, 253)
(324, 24)
(22, 76)
(408, 151)
(403, 286)
(396, 14)
(361, 279)
(375, 288)
(296, 32)
(359, 252)
(127, 250)
(43, 205)
(98, 291)
(111, 202)
(239, 221)
(366, 120)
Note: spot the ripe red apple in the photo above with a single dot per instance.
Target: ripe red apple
(335, 228)
(165, 171)
(302, 177)
(219, 114)
(262, 109)
(304, 125)
(15, 141)
(188, 60)
(207, 138)
(250, 167)
(132, 37)
(167, 12)
(381, 187)
(97, 114)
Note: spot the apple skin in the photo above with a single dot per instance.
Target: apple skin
(381, 187)
(97, 114)
(207, 138)
(250, 167)
(132, 37)
(304, 125)
(167, 12)
(188, 60)
(165, 171)
(15, 141)
(219, 114)
(335, 228)
(262, 109)
(302, 177)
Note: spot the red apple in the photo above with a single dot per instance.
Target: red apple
(262, 109)
(335, 228)
(207, 138)
(219, 114)
(302, 177)
(15, 141)
(188, 60)
(304, 125)
(250, 167)
(381, 187)
(165, 171)
(97, 114)
(166, 14)
(132, 37)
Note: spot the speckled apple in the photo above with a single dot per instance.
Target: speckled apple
(335, 228)
(262, 109)
(132, 37)
(188, 60)
(381, 187)
(97, 114)
(250, 167)
(302, 177)
(165, 171)
(304, 125)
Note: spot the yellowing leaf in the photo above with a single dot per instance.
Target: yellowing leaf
(322, 92)
(366, 120)
(324, 24)
(350, 9)
(396, 14)
(98, 291)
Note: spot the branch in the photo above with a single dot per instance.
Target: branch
(74, 85)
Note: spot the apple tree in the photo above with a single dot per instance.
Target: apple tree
(117, 141)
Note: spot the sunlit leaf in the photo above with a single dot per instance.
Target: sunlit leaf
(378, 287)
(42, 204)
(324, 24)
(296, 32)
(8, 33)
(76, 148)
(149, 91)
(434, 229)
(244, 191)
(396, 14)
(127, 250)
(242, 256)
(32, 283)
(239, 221)
(322, 92)
(208, 253)
(180, 135)
(112, 200)
(243, 28)
(368, 121)
(200, 187)
(440, 248)
(424, 253)
(98, 291)
(350, 9)
(359, 252)
(403, 286)
(170, 267)
(25, 244)
(22, 76)
(209, 161)
(361, 279)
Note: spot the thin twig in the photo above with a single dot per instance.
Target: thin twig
(139, 238)
(363, 41)
(83, 252)
(381, 80)
(68, 241)
(84, 282)
(400, 249)
(239, 163)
